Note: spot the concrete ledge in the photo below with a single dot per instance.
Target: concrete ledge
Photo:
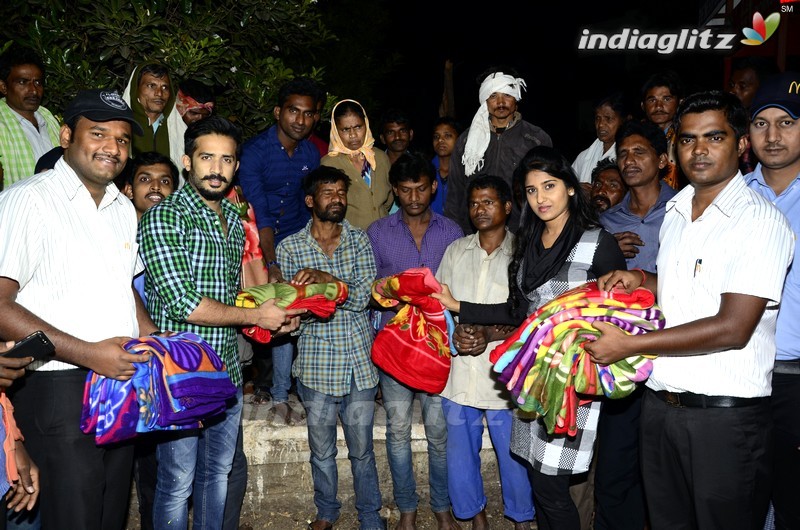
(280, 488)
(279, 469)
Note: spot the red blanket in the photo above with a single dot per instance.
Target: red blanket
(414, 347)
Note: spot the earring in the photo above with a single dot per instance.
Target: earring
(571, 193)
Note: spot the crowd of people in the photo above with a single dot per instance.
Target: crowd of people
(147, 213)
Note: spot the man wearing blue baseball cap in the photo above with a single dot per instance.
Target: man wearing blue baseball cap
(67, 260)
(775, 137)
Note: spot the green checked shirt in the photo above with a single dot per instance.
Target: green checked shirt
(333, 351)
(187, 257)
(16, 153)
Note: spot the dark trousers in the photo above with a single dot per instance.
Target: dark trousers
(554, 507)
(618, 487)
(145, 473)
(237, 486)
(706, 468)
(84, 487)
(786, 438)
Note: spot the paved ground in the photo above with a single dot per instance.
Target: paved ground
(292, 514)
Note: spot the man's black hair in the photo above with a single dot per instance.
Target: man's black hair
(18, 55)
(214, 124)
(735, 113)
(604, 165)
(646, 129)
(324, 175)
(667, 78)
(154, 69)
(448, 120)
(395, 115)
(764, 67)
(301, 86)
(490, 182)
(410, 167)
(150, 158)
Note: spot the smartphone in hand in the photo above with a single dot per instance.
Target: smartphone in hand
(35, 345)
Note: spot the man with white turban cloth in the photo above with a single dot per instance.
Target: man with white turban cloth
(495, 142)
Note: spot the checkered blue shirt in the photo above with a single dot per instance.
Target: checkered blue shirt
(332, 352)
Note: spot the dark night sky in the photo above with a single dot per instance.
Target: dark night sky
(540, 41)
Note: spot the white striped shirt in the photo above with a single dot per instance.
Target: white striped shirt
(74, 261)
(740, 244)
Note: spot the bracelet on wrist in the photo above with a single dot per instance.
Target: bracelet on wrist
(271, 263)
(644, 276)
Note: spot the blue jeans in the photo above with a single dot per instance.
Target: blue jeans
(237, 485)
(356, 410)
(282, 354)
(464, 442)
(198, 460)
(398, 400)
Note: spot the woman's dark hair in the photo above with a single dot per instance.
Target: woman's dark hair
(550, 161)
(348, 107)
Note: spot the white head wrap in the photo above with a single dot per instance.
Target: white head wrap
(479, 132)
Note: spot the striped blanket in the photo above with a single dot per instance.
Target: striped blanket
(183, 383)
(414, 346)
(546, 368)
(320, 299)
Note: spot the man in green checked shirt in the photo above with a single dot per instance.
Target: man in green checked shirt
(191, 244)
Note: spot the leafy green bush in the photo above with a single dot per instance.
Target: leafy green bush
(245, 49)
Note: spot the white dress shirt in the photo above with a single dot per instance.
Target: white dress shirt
(74, 261)
(740, 244)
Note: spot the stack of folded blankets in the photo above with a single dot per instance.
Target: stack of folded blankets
(544, 364)
(414, 346)
(183, 383)
(319, 299)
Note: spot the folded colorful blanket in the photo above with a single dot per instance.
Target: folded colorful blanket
(546, 368)
(414, 346)
(183, 383)
(320, 299)
(10, 435)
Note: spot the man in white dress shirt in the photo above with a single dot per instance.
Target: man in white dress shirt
(67, 260)
(706, 421)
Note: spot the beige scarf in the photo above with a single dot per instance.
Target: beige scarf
(337, 147)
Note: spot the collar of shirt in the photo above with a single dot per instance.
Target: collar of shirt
(664, 195)
(515, 119)
(156, 124)
(757, 176)
(397, 217)
(507, 246)
(726, 201)
(343, 237)
(194, 202)
(71, 184)
(36, 114)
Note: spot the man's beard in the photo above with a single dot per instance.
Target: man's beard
(328, 216)
(211, 194)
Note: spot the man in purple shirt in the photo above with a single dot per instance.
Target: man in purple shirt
(271, 174)
(414, 236)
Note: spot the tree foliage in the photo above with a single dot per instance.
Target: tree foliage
(244, 49)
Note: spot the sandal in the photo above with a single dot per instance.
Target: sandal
(261, 396)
